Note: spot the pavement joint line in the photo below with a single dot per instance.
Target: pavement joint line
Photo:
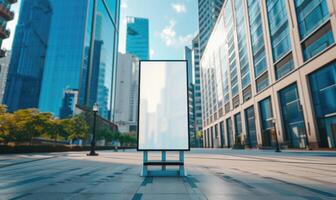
(328, 194)
(264, 160)
(303, 177)
(137, 196)
(24, 162)
(191, 181)
(20, 196)
(146, 181)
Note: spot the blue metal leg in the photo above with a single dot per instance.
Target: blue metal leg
(163, 158)
(145, 167)
(181, 168)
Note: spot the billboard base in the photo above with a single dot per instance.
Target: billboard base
(163, 163)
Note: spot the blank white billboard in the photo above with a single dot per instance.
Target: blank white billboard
(163, 106)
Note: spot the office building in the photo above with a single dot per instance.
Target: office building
(5, 15)
(188, 58)
(78, 53)
(28, 55)
(268, 74)
(137, 37)
(197, 86)
(208, 11)
(4, 64)
(127, 84)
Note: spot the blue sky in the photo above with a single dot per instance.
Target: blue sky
(172, 25)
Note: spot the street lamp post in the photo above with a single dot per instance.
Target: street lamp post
(276, 137)
(95, 109)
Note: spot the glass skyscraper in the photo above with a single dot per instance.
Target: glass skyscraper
(80, 57)
(28, 55)
(269, 68)
(208, 11)
(137, 38)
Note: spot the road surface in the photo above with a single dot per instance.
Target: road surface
(212, 174)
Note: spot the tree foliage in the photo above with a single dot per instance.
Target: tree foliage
(24, 125)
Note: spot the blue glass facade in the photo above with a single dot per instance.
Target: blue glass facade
(258, 44)
(65, 51)
(292, 116)
(278, 26)
(229, 132)
(75, 50)
(28, 55)
(251, 139)
(266, 114)
(311, 14)
(137, 38)
(238, 128)
(222, 133)
(242, 45)
(323, 91)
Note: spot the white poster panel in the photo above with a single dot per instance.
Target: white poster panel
(163, 106)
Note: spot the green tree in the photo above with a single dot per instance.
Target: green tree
(3, 109)
(55, 129)
(76, 127)
(30, 123)
(7, 128)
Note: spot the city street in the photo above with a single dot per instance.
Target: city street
(212, 174)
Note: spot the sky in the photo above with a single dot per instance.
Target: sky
(172, 25)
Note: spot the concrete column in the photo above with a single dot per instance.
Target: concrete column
(295, 34)
(332, 12)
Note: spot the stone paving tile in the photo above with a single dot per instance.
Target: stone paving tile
(113, 187)
(212, 174)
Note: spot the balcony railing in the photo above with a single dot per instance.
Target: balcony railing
(4, 33)
(6, 13)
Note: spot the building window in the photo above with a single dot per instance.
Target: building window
(265, 107)
(285, 66)
(323, 89)
(262, 82)
(235, 101)
(319, 41)
(222, 134)
(238, 128)
(229, 132)
(292, 117)
(310, 15)
(251, 136)
(278, 26)
(242, 46)
(257, 39)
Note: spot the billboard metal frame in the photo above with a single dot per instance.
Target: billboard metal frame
(188, 109)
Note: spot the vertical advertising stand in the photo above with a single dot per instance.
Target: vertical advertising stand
(163, 123)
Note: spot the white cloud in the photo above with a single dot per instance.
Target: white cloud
(179, 7)
(123, 5)
(168, 34)
(171, 39)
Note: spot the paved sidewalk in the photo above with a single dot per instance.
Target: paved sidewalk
(212, 174)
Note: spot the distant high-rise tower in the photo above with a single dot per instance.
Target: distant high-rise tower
(126, 103)
(81, 52)
(188, 58)
(197, 85)
(137, 39)
(5, 15)
(208, 11)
